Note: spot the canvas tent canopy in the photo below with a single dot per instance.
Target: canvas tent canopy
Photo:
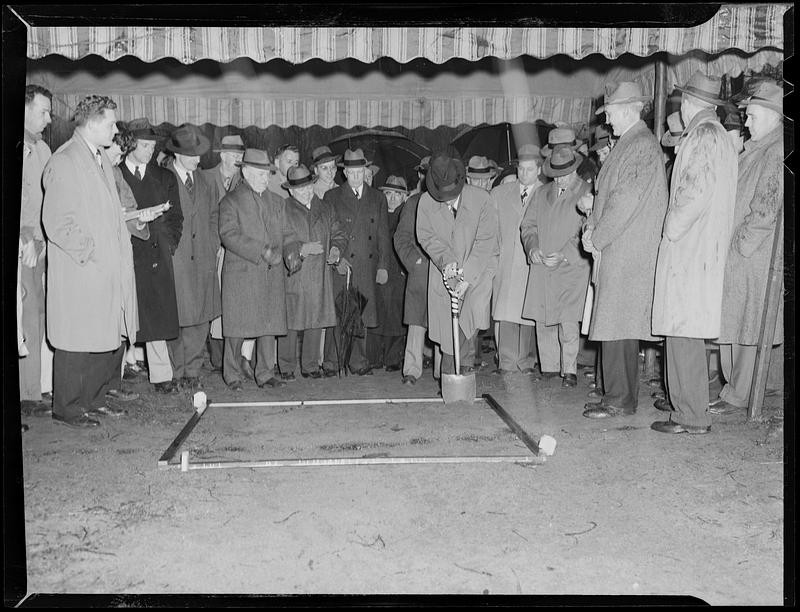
(415, 77)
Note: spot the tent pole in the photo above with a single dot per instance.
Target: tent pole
(768, 320)
(660, 99)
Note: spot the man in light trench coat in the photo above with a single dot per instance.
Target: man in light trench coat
(691, 258)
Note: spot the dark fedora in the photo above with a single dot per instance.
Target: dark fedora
(188, 140)
(142, 129)
(445, 178)
(562, 161)
(230, 143)
(675, 130)
(395, 183)
(733, 121)
(297, 176)
(560, 136)
(255, 158)
(323, 154)
(704, 88)
(626, 92)
(354, 159)
(767, 94)
(528, 152)
(602, 138)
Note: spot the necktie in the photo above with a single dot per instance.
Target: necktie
(137, 174)
(560, 191)
(453, 210)
(524, 195)
(99, 158)
(189, 182)
(227, 181)
(355, 191)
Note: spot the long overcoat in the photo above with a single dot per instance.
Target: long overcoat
(196, 284)
(415, 261)
(309, 291)
(389, 296)
(697, 230)
(152, 258)
(759, 197)
(91, 289)
(470, 240)
(253, 291)
(368, 248)
(627, 217)
(508, 295)
(552, 223)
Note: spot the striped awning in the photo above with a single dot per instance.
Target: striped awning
(748, 28)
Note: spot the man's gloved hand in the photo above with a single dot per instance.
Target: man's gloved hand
(382, 276)
(311, 248)
(333, 256)
(461, 289)
(272, 256)
(343, 266)
(450, 271)
(293, 262)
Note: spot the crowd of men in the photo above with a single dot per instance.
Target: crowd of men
(260, 263)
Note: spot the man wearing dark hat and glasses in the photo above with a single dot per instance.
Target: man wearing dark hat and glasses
(194, 262)
(457, 227)
(687, 301)
(258, 239)
(323, 164)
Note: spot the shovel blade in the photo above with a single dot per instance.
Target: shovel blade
(458, 388)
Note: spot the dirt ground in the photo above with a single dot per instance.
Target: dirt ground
(618, 509)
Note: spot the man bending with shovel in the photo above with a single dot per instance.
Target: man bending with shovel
(457, 227)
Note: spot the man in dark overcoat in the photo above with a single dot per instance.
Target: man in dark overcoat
(309, 291)
(152, 258)
(415, 304)
(194, 262)
(385, 342)
(362, 212)
(257, 238)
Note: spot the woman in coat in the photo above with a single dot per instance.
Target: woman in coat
(457, 227)
(310, 306)
(559, 272)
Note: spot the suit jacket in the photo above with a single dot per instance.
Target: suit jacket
(254, 291)
(91, 291)
(470, 240)
(368, 249)
(628, 217)
(509, 290)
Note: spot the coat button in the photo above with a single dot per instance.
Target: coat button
(352, 255)
(155, 245)
(370, 238)
(155, 265)
(192, 257)
(194, 235)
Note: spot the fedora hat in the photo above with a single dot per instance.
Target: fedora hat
(626, 92)
(445, 178)
(732, 121)
(230, 143)
(323, 154)
(674, 131)
(602, 138)
(255, 158)
(562, 161)
(479, 167)
(297, 176)
(768, 94)
(395, 183)
(528, 152)
(560, 136)
(353, 159)
(188, 140)
(423, 164)
(705, 88)
(142, 129)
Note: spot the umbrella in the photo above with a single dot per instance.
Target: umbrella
(391, 151)
(499, 142)
(350, 304)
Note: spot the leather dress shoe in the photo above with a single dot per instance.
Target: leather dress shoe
(549, 375)
(191, 383)
(501, 372)
(589, 373)
(604, 411)
(662, 403)
(35, 408)
(393, 368)
(659, 393)
(236, 385)
(570, 380)
(83, 421)
(595, 394)
(671, 427)
(272, 382)
(121, 396)
(427, 362)
(313, 374)
(329, 373)
(409, 380)
(362, 371)
(288, 377)
(107, 411)
(168, 386)
(723, 408)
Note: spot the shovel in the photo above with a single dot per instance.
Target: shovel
(455, 387)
